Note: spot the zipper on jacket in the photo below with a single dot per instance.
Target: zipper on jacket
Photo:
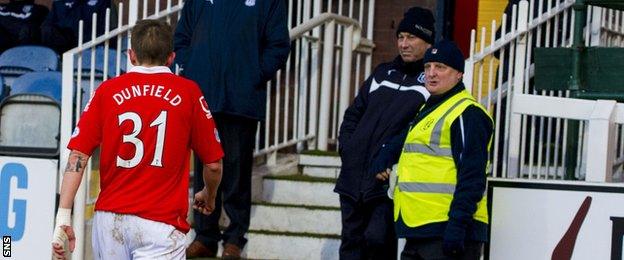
(402, 82)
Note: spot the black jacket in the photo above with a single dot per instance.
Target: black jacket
(469, 149)
(19, 23)
(231, 49)
(385, 104)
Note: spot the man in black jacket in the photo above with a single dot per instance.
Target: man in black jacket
(386, 103)
(231, 49)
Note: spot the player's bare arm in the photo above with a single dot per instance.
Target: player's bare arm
(76, 164)
(205, 199)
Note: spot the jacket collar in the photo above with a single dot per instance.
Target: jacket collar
(409, 68)
(435, 100)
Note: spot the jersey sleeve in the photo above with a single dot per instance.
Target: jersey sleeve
(204, 135)
(88, 133)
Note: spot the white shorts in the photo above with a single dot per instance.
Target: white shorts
(122, 236)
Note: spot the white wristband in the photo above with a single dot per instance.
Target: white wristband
(63, 217)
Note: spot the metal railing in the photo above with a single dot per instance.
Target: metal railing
(314, 97)
(304, 101)
(312, 117)
(530, 145)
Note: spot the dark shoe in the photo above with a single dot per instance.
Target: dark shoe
(231, 251)
(198, 249)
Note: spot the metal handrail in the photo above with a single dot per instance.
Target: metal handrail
(307, 26)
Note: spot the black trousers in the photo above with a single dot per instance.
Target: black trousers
(431, 249)
(367, 229)
(237, 136)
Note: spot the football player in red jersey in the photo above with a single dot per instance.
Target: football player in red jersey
(146, 123)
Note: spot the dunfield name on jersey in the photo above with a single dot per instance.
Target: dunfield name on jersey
(146, 90)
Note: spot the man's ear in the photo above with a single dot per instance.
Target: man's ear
(170, 59)
(133, 57)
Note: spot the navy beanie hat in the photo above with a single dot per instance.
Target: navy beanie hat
(446, 52)
(418, 21)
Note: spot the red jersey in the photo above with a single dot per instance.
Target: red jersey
(146, 123)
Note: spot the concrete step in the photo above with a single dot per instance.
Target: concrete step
(319, 164)
(283, 245)
(299, 190)
(296, 219)
(322, 172)
(275, 245)
(264, 244)
(326, 160)
(286, 164)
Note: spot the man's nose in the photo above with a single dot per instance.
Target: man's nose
(430, 73)
(402, 43)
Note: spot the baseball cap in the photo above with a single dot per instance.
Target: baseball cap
(446, 52)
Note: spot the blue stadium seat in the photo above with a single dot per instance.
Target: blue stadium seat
(43, 83)
(30, 116)
(21, 59)
(34, 58)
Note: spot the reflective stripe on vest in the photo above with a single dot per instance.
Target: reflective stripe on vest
(426, 187)
(433, 150)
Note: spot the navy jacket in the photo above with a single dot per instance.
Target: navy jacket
(231, 48)
(19, 23)
(469, 149)
(59, 31)
(385, 104)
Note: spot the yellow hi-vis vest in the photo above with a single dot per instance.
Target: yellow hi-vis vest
(426, 170)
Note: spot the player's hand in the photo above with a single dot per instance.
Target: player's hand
(61, 235)
(382, 176)
(63, 232)
(204, 202)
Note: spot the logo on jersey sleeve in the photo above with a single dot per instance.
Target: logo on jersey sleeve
(250, 2)
(76, 132)
(204, 106)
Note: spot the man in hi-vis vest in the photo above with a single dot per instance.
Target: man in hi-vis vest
(440, 200)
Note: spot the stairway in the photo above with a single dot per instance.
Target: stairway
(297, 215)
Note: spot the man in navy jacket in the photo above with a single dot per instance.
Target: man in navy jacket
(60, 32)
(231, 49)
(386, 103)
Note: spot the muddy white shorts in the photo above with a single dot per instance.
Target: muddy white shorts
(121, 236)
